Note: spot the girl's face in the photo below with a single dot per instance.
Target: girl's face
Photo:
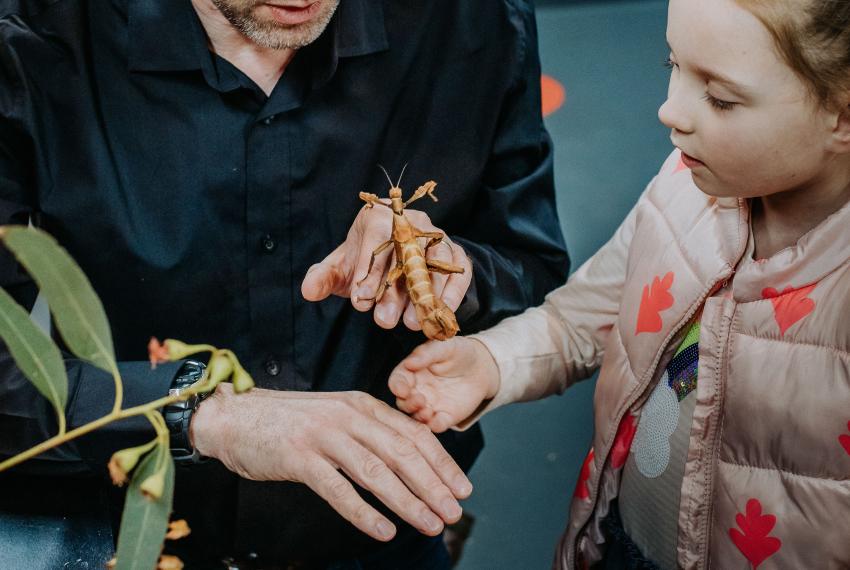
(746, 124)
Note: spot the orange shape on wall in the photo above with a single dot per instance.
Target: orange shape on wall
(553, 94)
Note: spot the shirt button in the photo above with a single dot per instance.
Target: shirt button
(272, 367)
(268, 120)
(268, 243)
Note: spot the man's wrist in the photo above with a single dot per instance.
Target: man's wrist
(205, 421)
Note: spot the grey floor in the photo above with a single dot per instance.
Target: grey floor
(609, 144)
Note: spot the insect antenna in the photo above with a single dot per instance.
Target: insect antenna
(398, 184)
(387, 175)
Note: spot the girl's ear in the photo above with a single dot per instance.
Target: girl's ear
(840, 139)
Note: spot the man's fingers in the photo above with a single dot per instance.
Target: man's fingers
(375, 233)
(389, 310)
(378, 469)
(430, 448)
(340, 494)
(328, 277)
(458, 283)
(410, 319)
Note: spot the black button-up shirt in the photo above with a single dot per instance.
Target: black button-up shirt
(195, 204)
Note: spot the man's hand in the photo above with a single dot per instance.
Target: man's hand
(308, 437)
(341, 271)
(441, 383)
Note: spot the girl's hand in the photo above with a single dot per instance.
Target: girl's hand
(442, 383)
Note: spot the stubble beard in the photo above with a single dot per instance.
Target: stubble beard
(270, 34)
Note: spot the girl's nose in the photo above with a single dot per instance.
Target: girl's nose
(674, 115)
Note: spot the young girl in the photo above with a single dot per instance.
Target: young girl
(719, 313)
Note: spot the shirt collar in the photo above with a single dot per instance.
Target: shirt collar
(166, 35)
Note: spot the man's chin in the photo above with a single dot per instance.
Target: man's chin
(277, 29)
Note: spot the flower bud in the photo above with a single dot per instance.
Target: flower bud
(169, 562)
(219, 368)
(125, 460)
(242, 381)
(154, 486)
(177, 529)
(178, 350)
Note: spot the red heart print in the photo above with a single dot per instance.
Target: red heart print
(844, 440)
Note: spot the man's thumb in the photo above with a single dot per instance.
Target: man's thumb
(321, 281)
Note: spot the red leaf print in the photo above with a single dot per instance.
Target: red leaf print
(582, 491)
(623, 441)
(790, 305)
(844, 440)
(752, 539)
(655, 298)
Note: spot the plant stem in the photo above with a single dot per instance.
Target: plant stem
(62, 425)
(119, 390)
(149, 408)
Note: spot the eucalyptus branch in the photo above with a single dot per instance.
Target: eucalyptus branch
(150, 410)
(80, 320)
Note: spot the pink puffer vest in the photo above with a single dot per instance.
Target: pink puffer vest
(767, 477)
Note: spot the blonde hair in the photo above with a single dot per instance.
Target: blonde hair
(813, 36)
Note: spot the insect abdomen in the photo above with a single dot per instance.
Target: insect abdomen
(416, 274)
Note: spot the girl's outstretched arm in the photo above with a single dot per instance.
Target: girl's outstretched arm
(527, 357)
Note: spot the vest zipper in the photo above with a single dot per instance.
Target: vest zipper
(716, 285)
(714, 442)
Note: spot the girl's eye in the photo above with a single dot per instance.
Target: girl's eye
(669, 63)
(719, 104)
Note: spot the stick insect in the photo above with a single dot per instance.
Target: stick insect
(437, 319)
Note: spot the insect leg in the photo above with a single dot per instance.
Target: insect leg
(434, 238)
(438, 266)
(392, 276)
(372, 199)
(427, 188)
(375, 253)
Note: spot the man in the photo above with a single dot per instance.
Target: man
(197, 158)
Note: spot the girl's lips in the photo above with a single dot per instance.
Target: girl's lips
(691, 162)
(291, 15)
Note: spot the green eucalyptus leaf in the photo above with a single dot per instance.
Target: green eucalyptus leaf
(35, 353)
(77, 311)
(145, 520)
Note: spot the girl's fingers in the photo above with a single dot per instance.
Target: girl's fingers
(400, 384)
(440, 422)
(429, 353)
(424, 415)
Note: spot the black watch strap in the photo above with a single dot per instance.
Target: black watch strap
(179, 414)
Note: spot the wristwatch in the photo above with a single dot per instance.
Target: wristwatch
(179, 414)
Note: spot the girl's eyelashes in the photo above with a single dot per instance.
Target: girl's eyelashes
(718, 104)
